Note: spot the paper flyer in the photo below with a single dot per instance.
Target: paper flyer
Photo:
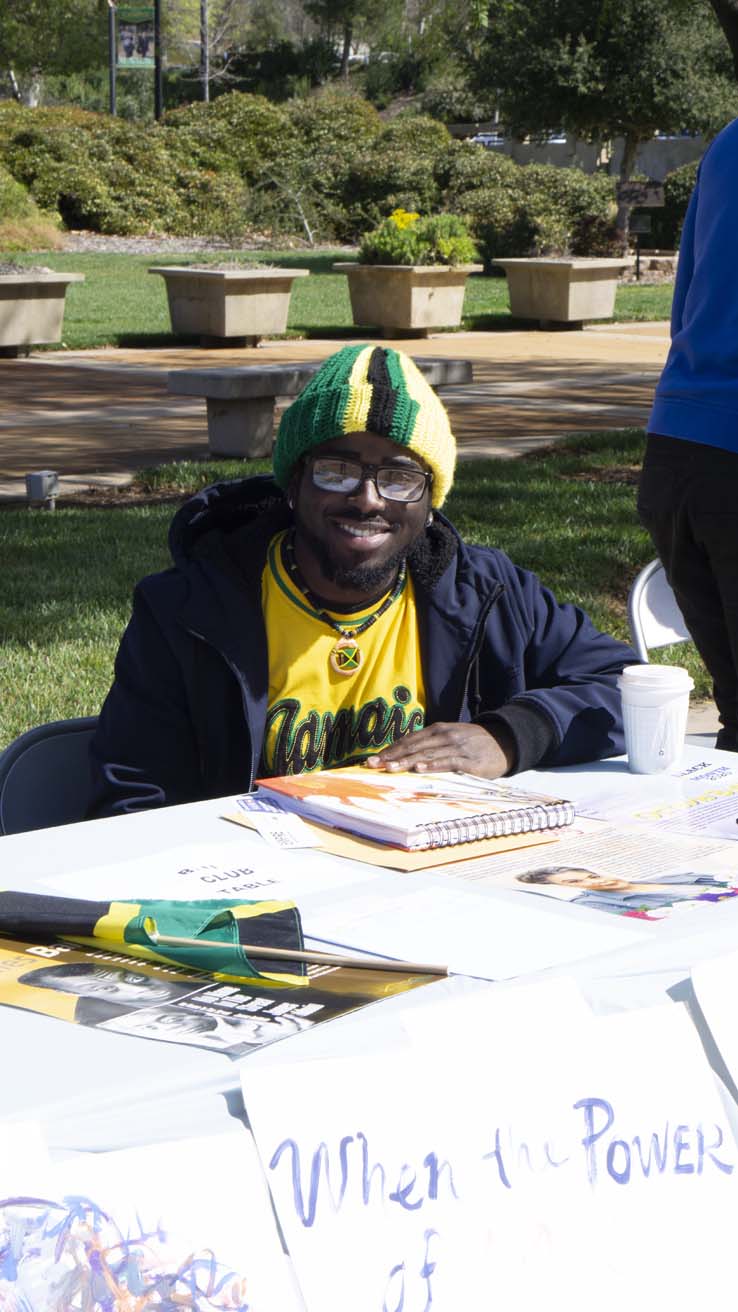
(621, 870)
(698, 799)
(121, 995)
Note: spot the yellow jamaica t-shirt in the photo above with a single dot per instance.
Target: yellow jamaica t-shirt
(317, 717)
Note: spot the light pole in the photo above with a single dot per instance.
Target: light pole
(158, 81)
(112, 56)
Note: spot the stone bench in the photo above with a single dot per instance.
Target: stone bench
(241, 400)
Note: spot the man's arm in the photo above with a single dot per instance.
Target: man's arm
(144, 753)
(564, 703)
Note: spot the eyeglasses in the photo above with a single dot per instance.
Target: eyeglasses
(393, 482)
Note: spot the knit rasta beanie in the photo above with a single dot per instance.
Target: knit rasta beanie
(371, 389)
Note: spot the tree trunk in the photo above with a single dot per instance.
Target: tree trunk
(204, 50)
(15, 89)
(726, 12)
(347, 35)
(622, 222)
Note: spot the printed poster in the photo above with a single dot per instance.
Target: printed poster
(122, 995)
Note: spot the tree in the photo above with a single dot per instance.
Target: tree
(608, 68)
(726, 12)
(49, 36)
(203, 34)
(348, 20)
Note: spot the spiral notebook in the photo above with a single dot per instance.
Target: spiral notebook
(416, 811)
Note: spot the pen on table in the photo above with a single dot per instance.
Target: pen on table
(312, 958)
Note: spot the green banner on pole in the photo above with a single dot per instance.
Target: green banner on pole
(135, 36)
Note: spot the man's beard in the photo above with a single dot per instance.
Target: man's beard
(367, 578)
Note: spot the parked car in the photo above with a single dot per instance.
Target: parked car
(488, 139)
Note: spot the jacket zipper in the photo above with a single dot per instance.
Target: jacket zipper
(493, 597)
(234, 670)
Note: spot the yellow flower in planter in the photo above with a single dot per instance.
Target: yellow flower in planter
(403, 218)
(407, 238)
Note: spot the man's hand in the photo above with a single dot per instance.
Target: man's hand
(466, 747)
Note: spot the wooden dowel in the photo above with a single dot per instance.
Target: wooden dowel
(312, 958)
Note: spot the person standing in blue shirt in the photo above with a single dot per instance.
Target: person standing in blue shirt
(688, 497)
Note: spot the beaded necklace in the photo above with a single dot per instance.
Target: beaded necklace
(346, 656)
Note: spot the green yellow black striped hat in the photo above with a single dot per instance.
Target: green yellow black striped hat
(371, 389)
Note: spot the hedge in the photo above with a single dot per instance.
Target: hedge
(666, 223)
(326, 164)
(22, 225)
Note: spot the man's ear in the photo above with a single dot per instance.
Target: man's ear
(293, 487)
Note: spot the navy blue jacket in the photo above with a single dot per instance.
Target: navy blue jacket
(185, 717)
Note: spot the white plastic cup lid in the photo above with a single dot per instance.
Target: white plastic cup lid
(663, 676)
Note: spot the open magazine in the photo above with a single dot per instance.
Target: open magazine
(416, 811)
(125, 996)
(623, 870)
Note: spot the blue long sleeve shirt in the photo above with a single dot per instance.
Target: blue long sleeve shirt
(697, 394)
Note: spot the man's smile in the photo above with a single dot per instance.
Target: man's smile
(369, 532)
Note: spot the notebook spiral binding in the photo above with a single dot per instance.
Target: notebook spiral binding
(448, 833)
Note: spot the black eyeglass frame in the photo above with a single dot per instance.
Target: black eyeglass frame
(373, 473)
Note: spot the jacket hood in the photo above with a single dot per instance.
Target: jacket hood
(222, 510)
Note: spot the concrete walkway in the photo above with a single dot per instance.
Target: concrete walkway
(98, 416)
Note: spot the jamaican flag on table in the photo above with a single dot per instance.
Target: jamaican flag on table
(129, 928)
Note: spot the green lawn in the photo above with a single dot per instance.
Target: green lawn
(121, 304)
(68, 575)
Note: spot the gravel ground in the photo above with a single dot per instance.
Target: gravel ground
(96, 242)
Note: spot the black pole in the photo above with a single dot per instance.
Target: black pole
(158, 81)
(112, 56)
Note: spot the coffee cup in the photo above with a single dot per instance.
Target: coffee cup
(655, 701)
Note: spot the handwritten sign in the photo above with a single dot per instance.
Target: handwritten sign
(489, 1172)
(185, 1224)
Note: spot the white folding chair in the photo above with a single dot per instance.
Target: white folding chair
(656, 621)
(653, 614)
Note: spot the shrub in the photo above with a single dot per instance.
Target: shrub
(537, 209)
(397, 172)
(110, 175)
(315, 162)
(467, 167)
(666, 223)
(389, 75)
(450, 101)
(573, 212)
(234, 133)
(406, 238)
(282, 69)
(22, 225)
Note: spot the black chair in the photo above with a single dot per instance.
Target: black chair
(45, 776)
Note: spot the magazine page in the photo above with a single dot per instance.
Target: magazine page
(127, 996)
(628, 871)
(697, 799)
(376, 802)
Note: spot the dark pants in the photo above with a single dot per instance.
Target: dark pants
(688, 501)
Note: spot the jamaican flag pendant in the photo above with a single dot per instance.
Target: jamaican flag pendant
(346, 657)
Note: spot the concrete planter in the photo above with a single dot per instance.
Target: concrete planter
(219, 305)
(407, 299)
(32, 308)
(562, 290)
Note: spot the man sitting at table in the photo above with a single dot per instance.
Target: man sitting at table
(332, 615)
